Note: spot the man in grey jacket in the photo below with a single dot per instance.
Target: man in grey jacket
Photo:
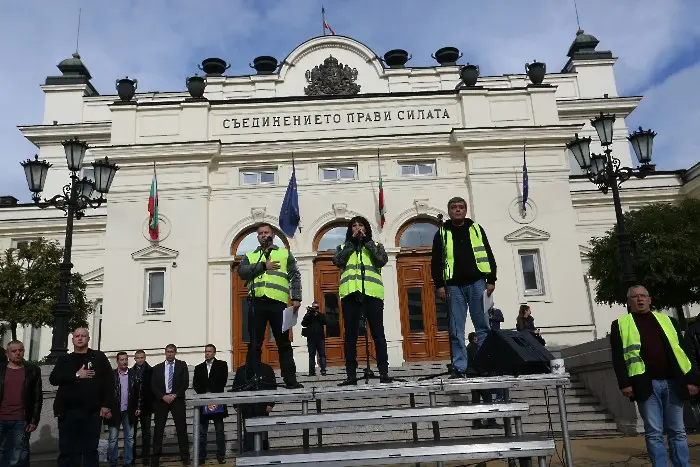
(272, 278)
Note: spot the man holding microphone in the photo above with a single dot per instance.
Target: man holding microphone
(463, 267)
(272, 277)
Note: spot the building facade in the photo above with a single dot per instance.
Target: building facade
(336, 111)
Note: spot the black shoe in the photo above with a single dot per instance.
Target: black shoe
(470, 373)
(294, 385)
(476, 425)
(186, 461)
(221, 460)
(493, 424)
(385, 379)
(457, 375)
(312, 373)
(349, 382)
(323, 373)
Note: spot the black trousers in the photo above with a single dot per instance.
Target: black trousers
(144, 421)
(220, 437)
(352, 314)
(160, 416)
(78, 437)
(316, 345)
(271, 311)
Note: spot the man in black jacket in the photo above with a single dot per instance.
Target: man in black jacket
(268, 381)
(463, 267)
(211, 376)
(171, 379)
(312, 328)
(21, 399)
(127, 406)
(85, 394)
(653, 369)
(143, 373)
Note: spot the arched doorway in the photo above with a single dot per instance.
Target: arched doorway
(424, 323)
(326, 283)
(245, 242)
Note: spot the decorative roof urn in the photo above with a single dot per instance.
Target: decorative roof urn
(536, 71)
(396, 58)
(264, 65)
(469, 74)
(195, 86)
(214, 66)
(447, 56)
(126, 88)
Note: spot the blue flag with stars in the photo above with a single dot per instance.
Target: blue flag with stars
(289, 215)
(525, 181)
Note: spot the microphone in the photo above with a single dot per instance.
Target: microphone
(439, 217)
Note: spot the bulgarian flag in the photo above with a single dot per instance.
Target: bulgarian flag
(382, 211)
(153, 207)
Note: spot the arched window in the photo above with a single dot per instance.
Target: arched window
(417, 233)
(330, 237)
(248, 241)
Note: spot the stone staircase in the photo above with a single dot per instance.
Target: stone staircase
(585, 416)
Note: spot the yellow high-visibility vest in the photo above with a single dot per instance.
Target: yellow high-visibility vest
(478, 247)
(632, 343)
(271, 284)
(351, 277)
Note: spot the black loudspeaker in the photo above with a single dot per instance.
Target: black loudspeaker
(512, 353)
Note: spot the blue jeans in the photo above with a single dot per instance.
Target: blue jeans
(315, 345)
(462, 298)
(220, 437)
(12, 433)
(664, 411)
(113, 451)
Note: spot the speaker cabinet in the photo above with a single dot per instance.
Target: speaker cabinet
(512, 353)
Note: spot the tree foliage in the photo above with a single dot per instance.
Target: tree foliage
(29, 286)
(665, 253)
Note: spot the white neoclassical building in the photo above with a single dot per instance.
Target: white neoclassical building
(223, 164)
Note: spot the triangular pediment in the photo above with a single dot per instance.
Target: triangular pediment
(527, 234)
(156, 252)
(94, 277)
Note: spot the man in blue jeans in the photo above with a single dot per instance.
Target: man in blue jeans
(463, 267)
(652, 368)
(21, 398)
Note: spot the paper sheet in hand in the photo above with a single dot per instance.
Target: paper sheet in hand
(488, 301)
(289, 318)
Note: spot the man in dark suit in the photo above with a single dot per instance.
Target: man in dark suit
(267, 378)
(143, 373)
(211, 376)
(169, 382)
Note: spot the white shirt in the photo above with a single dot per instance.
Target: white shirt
(209, 363)
(169, 389)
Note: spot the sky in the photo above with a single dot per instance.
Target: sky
(161, 42)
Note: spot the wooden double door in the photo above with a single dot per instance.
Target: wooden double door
(424, 316)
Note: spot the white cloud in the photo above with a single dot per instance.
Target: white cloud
(160, 42)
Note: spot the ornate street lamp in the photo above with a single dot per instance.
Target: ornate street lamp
(76, 196)
(606, 172)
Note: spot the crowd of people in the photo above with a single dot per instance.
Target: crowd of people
(656, 366)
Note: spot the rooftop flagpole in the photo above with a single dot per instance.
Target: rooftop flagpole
(323, 19)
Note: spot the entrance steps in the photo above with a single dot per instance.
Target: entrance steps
(585, 416)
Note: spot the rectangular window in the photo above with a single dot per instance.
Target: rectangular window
(330, 174)
(258, 177)
(417, 169)
(531, 267)
(155, 289)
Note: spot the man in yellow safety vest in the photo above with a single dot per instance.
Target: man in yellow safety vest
(463, 267)
(272, 277)
(361, 251)
(653, 369)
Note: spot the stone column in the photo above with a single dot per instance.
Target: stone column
(392, 312)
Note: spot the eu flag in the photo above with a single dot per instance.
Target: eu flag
(289, 215)
(525, 181)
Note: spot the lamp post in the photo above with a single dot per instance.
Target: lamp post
(74, 200)
(605, 171)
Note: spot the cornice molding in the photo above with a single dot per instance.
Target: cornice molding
(42, 227)
(587, 108)
(534, 136)
(155, 252)
(93, 132)
(527, 234)
(139, 154)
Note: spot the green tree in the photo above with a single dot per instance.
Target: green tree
(665, 253)
(29, 286)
